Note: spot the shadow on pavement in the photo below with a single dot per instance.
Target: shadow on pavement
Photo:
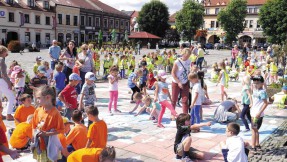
(128, 160)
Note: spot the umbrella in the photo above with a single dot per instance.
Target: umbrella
(113, 35)
(126, 36)
(100, 36)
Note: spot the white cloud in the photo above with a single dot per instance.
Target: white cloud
(130, 5)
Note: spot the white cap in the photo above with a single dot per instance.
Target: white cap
(90, 76)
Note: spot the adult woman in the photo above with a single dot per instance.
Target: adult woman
(88, 62)
(225, 112)
(200, 57)
(245, 52)
(234, 54)
(70, 56)
(180, 83)
(5, 84)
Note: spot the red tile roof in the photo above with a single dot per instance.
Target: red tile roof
(108, 9)
(143, 35)
(172, 18)
(224, 2)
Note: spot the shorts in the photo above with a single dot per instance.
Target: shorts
(142, 85)
(192, 151)
(259, 122)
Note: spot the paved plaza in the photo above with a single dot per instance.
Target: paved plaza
(138, 139)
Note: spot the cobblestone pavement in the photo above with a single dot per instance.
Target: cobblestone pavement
(137, 139)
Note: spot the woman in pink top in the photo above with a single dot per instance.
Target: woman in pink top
(234, 53)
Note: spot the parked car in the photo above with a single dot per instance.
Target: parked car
(208, 46)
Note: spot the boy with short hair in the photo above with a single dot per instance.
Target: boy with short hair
(69, 95)
(39, 79)
(22, 134)
(78, 134)
(259, 97)
(59, 78)
(234, 148)
(24, 110)
(196, 98)
(98, 131)
(88, 95)
(38, 63)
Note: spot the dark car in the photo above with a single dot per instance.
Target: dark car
(208, 46)
(218, 46)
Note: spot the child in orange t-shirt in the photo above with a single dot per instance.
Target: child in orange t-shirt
(98, 131)
(63, 140)
(24, 110)
(22, 134)
(47, 120)
(78, 134)
(93, 154)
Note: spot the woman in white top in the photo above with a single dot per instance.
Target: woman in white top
(180, 83)
(88, 62)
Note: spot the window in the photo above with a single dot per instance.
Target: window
(105, 23)
(11, 16)
(217, 24)
(60, 19)
(31, 3)
(47, 38)
(122, 24)
(27, 37)
(9, 1)
(46, 4)
(117, 23)
(246, 23)
(27, 18)
(250, 10)
(207, 11)
(67, 19)
(89, 21)
(37, 19)
(251, 24)
(111, 23)
(212, 24)
(47, 20)
(75, 20)
(83, 20)
(216, 11)
(255, 10)
(127, 25)
(258, 25)
(97, 22)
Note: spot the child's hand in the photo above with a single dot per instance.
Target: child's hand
(136, 115)
(14, 154)
(42, 134)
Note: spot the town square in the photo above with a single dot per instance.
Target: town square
(90, 80)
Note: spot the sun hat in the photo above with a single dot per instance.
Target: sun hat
(74, 76)
(90, 76)
(17, 69)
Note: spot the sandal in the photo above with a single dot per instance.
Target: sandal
(160, 126)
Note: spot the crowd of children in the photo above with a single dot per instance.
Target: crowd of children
(45, 126)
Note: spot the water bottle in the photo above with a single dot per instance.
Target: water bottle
(255, 120)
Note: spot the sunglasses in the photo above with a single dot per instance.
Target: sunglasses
(85, 49)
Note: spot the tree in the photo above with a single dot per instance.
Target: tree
(189, 18)
(232, 19)
(273, 19)
(153, 18)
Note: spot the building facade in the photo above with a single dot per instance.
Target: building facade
(28, 21)
(252, 34)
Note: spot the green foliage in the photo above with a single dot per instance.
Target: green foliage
(153, 18)
(273, 18)
(232, 19)
(14, 46)
(189, 18)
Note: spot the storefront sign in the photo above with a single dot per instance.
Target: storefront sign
(2, 14)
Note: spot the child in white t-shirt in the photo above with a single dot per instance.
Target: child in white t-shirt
(259, 97)
(196, 98)
(49, 72)
(113, 88)
(19, 76)
(233, 149)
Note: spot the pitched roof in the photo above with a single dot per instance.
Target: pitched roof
(108, 9)
(172, 18)
(143, 35)
(225, 2)
(129, 13)
(21, 4)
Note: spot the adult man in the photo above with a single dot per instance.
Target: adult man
(54, 53)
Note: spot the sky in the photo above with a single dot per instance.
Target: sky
(131, 5)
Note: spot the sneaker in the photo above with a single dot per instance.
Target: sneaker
(111, 114)
(186, 159)
(132, 102)
(246, 130)
(155, 121)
